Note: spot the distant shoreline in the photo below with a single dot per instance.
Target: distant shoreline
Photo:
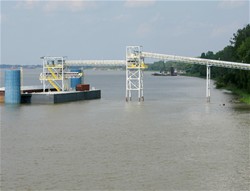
(7, 66)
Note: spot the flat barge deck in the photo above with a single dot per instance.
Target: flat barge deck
(35, 95)
(59, 97)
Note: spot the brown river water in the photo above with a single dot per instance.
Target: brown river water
(173, 140)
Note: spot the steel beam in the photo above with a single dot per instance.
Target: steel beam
(208, 84)
(200, 61)
(95, 62)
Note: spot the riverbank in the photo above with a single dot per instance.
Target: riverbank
(243, 96)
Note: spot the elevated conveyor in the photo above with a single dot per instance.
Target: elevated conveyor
(200, 61)
(95, 62)
(54, 68)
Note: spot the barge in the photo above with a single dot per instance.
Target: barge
(36, 95)
(60, 84)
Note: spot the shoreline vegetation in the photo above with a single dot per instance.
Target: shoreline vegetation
(237, 81)
(242, 96)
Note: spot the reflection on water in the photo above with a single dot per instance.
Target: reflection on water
(172, 141)
(242, 108)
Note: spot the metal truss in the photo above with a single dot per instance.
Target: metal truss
(134, 69)
(207, 62)
(200, 61)
(95, 62)
(53, 75)
(134, 72)
(56, 74)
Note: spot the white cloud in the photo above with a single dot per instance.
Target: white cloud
(139, 3)
(3, 18)
(77, 5)
(27, 4)
(122, 17)
(55, 5)
(71, 5)
(51, 6)
(223, 30)
(231, 4)
(144, 30)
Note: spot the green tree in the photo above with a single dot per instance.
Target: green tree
(243, 51)
(238, 51)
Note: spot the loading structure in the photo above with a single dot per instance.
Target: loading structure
(134, 72)
(207, 62)
(56, 74)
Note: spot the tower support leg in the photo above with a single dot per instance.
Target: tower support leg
(127, 91)
(140, 93)
(208, 86)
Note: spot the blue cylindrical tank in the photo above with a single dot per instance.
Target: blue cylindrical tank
(12, 86)
(75, 81)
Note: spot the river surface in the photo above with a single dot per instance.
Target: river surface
(173, 140)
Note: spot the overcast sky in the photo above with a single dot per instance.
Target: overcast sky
(103, 29)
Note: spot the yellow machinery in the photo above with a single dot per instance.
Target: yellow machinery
(55, 74)
(142, 65)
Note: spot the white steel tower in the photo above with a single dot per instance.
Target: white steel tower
(53, 73)
(134, 72)
(56, 73)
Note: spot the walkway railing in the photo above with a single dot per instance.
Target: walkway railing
(95, 62)
(200, 61)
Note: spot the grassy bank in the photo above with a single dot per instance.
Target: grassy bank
(242, 95)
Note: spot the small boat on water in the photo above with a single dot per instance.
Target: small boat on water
(172, 72)
(164, 72)
(160, 74)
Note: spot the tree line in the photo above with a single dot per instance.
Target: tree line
(237, 51)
